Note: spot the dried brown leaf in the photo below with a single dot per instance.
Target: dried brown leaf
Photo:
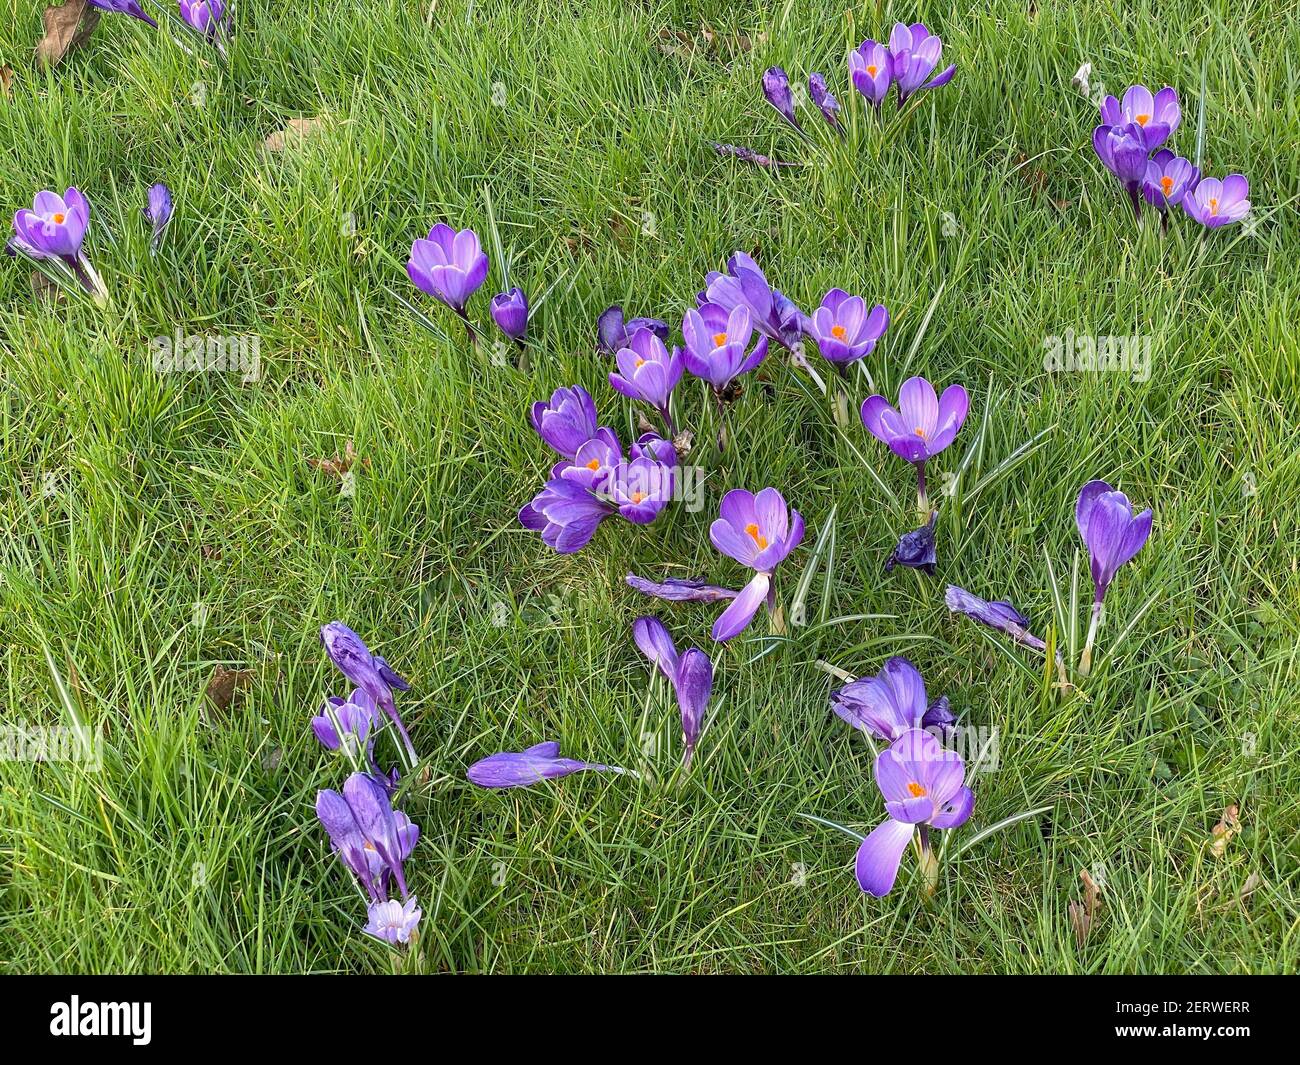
(7, 81)
(1084, 914)
(67, 26)
(338, 465)
(295, 132)
(1221, 835)
(225, 683)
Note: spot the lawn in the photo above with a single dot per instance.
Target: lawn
(159, 526)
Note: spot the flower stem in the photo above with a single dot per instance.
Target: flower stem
(922, 500)
(1085, 662)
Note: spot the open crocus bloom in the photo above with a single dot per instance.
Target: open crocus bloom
(449, 265)
(646, 370)
(1215, 203)
(890, 703)
(356, 717)
(844, 329)
(913, 53)
(923, 785)
(204, 16)
(1167, 179)
(1155, 116)
(566, 514)
(758, 531)
(744, 285)
(392, 921)
(56, 225)
(716, 343)
(923, 425)
(1110, 530)
(567, 422)
(640, 489)
(592, 463)
(870, 71)
(520, 769)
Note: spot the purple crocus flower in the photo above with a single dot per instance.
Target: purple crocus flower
(890, 703)
(776, 88)
(743, 285)
(1156, 117)
(870, 70)
(593, 462)
(521, 769)
(844, 329)
(639, 489)
(717, 340)
(678, 590)
(567, 422)
(157, 212)
(566, 514)
(1215, 203)
(613, 332)
(922, 426)
(924, 787)
(392, 921)
(1113, 534)
(368, 672)
(370, 837)
(1167, 180)
(916, 549)
(998, 615)
(125, 7)
(826, 103)
(206, 17)
(913, 53)
(690, 673)
(510, 312)
(649, 372)
(758, 531)
(449, 266)
(1123, 152)
(56, 225)
(355, 716)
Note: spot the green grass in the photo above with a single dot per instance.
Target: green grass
(195, 848)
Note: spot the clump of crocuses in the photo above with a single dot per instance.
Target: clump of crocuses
(1129, 144)
(907, 63)
(594, 479)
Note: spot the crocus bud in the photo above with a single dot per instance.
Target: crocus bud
(510, 312)
(776, 87)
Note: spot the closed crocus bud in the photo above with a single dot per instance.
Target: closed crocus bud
(510, 312)
(158, 212)
(449, 265)
(826, 103)
(520, 769)
(125, 7)
(693, 684)
(776, 88)
(204, 16)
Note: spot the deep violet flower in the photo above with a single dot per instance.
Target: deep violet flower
(520, 769)
(998, 615)
(916, 549)
(844, 329)
(449, 266)
(758, 531)
(510, 312)
(392, 921)
(690, 673)
(924, 787)
(913, 53)
(567, 422)
(649, 372)
(1122, 152)
(1156, 117)
(368, 672)
(921, 427)
(157, 212)
(612, 332)
(639, 489)
(369, 836)
(744, 285)
(870, 71)
(206, 17)
(1216, 203)
(776, 89)
(678, 590)
(125, 7)
(890, 703)
(566, 514)
(826, 103)
(1168, 179)
(1113, 534)
(717, 344)
(347, 723)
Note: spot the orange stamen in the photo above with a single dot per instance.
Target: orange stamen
(637, 497)
(1142, 120)
(872, 70)
(838, 332)
(1214, 206)
(594, 464)
(917, 791)
(719, 339)
(58, 219)
(755, 535)
(1167, 184)
(920, 433)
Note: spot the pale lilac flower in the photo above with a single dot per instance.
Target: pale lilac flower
(758, 531)
(870, 71)
(914, 52)
(1216, 203)
(1156, 117)
(392, 921)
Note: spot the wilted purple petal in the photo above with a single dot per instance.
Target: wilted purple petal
(677, 590)
(916, 549)
(997, 615)
(520, 769)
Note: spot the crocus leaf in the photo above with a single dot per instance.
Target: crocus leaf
(67, 26)
(1006, 822)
